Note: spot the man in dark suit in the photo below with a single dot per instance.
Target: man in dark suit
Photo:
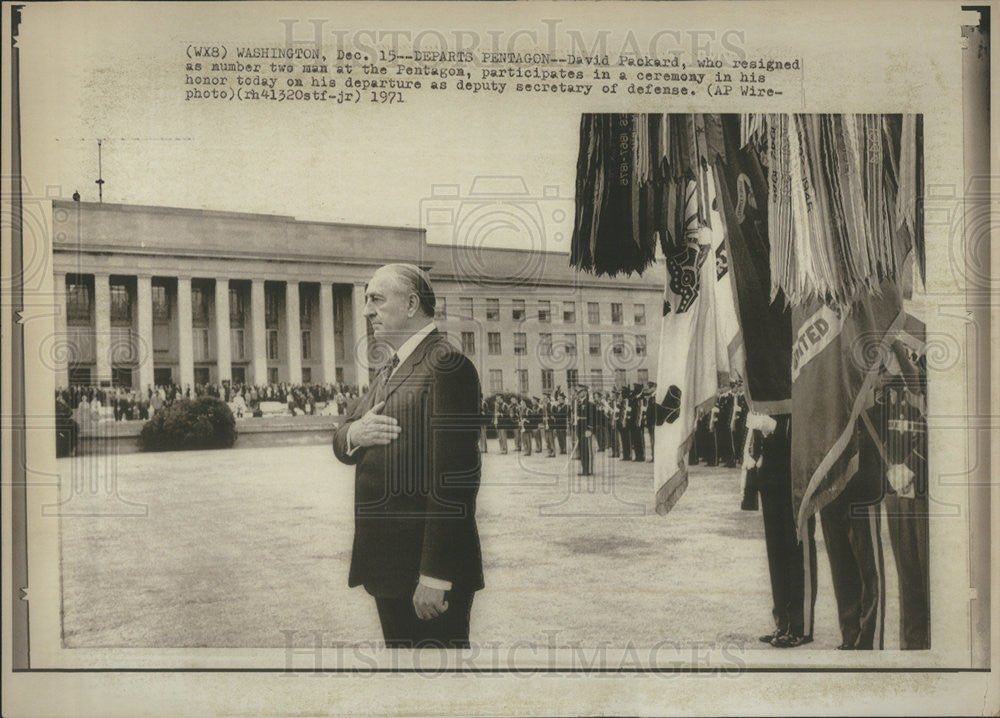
(413, 438)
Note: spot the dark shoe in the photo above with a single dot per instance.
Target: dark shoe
(791, 640)
(845, 647)
(770, 637)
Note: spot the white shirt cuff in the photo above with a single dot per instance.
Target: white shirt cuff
(437, 583)
(350, 449)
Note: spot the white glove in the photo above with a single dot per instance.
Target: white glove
(901, 480)
(762, 423)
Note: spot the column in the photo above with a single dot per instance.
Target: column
(327, 341)
(62, 352)
(259, 331)
(102, 327)
(293, 332)
(360, 334)
(185, 331)
(223, 350)
(144, 317)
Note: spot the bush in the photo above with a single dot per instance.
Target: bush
(204, 423)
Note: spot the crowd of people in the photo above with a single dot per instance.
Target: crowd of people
(127, 404)
(80, 407)
(621, 421)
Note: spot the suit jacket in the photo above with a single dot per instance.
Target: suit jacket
(415, 498)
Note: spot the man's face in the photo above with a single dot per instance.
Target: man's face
(387, 304)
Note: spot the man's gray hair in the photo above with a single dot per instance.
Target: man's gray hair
(417, 281)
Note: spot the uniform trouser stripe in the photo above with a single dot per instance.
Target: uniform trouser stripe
(807, 584)
(874, 527)
(808, 545)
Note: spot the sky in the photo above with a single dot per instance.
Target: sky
(118, 73)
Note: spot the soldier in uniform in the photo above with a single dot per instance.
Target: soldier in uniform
(791, 563)
(611, 423)
(624, 422)
(583, 422)
(851, 532)
(651, 415)
(484, 410)
(524, 428)
(514, 421)
(560, 416)
(548, 427)
(723, 429)
(904, 438)
(500, 422)
(598, 401)
(535, 405)
(637, 423)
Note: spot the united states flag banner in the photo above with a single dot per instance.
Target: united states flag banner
(837, 356)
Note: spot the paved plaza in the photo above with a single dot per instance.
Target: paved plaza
(230, 548)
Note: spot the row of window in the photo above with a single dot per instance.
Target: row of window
(466, 309)
(201, 346)
(523, 385)
(568, 345)
(78, 306)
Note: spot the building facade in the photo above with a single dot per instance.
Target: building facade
(159, 295)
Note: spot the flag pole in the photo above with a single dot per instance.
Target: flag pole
(100, 175)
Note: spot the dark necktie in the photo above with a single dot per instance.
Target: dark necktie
(382, 378)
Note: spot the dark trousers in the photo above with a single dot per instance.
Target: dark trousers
(907, 521)
(638, 448)
(550, 441)
(599, 435)
(626, 442)
(724, 439)
(402, 629)
(613, 441)
(561, 438)
(851, 532)
(791, 563)
(583, 445)
(502, 438)
(706, 442)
